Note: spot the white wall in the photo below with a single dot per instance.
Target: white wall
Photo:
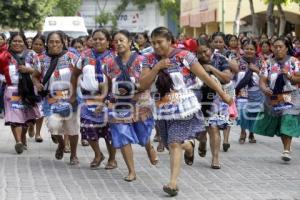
(132, 19)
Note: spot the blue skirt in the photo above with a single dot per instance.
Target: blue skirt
(131, 133)
(246, 120)
(249, 108)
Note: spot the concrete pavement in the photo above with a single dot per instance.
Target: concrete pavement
(249, 171)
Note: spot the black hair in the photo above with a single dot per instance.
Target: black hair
(3, 36)
(163, 32)
(61, 36)
(203, 35)
(88, 37)
(147, 43)
(39, 36)
(216, 34)
(104, 31)
(77, 40)
(14, 34)
(203, 42)
(124, 32)
(82, 38)
(249, 42)
(64, 37)
(263, 34)
(288, 44)
(273, 38)
(265, 42)
(145, 35)
(129, 36)
(229, 37)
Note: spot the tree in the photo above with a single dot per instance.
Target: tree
(67, 7)
(25, 14)
(254, 19)
(282, 20)
(104, 18)
(270, 19)
(270, 15)
(172, 7)
(236, 24)
(165, 6)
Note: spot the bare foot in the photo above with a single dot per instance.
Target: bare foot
(131, 177)
(111, 164)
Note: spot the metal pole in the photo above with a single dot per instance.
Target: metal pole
(95, 15)
(223, 12)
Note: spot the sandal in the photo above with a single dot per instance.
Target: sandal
(95, 164)
(202, 149)
(59, 154)
(129, 179)
(19, 147)
(286, 156)
(252, 138)
(74, 161)
(160, 147)
(215, 166)
(84, 143)
(150, 153)
(226, 146)
(38, 139)
(189, 160)
(170, 191)
(67, 149)
(54, 139)
(156, 138)
(242, 140)
(111, 165)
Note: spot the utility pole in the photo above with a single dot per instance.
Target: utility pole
(223, 16)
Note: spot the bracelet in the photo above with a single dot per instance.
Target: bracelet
(289, 76)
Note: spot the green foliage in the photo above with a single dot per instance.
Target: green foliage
(25, 14)
(67, 7)
(165, 6)
(285, 2)
(278, 2)
(121, 7)
(104, 18)
(172, 7)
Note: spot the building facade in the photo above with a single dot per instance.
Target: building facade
(206, 16)
(132, 19)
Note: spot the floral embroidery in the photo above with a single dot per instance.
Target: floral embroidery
(112, 69)
(184, 60)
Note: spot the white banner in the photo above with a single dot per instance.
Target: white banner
(131, 20)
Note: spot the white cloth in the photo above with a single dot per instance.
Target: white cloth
(255, 79)
(88, 80)
(63, 82)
